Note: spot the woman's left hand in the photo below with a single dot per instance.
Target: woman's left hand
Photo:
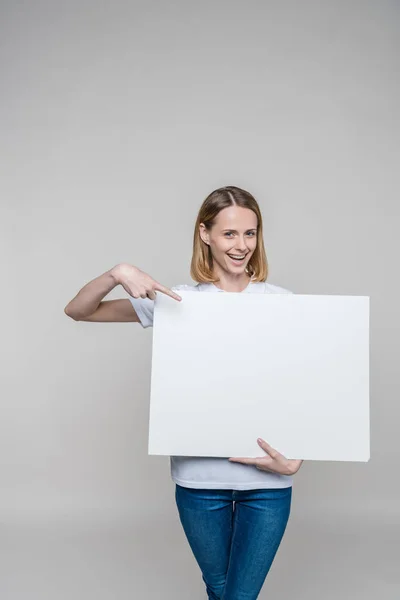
(273, 462)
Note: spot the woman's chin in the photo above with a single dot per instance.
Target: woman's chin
(237, 270)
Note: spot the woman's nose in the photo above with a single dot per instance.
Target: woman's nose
(241, 245)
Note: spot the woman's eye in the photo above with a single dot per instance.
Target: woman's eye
(251, 233)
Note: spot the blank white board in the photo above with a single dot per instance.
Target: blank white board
(292, 369)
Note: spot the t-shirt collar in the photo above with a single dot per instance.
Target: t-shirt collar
(213, 288)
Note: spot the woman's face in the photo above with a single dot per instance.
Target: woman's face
(234, 234)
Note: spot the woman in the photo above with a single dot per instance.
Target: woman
(233, 511)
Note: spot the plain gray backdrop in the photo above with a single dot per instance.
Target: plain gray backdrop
(117, 120)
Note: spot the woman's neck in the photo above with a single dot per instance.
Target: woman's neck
(232, 283)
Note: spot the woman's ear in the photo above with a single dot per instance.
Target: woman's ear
(204, 234)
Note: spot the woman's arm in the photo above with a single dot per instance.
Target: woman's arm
(89, 297)
(87, 305)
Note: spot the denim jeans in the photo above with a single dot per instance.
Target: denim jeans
(234, 536)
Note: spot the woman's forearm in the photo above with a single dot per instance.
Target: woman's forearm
(89, 297)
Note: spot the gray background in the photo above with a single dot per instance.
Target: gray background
(117, 119)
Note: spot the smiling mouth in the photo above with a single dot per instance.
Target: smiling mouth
(238, 257)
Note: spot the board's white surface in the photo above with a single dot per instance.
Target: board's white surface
(290, 368)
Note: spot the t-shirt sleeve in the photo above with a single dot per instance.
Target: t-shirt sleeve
(144, 308)
(279, 290)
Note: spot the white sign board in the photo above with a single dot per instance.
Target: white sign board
(231, 367)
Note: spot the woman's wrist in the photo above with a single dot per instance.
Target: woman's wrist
(116, 272)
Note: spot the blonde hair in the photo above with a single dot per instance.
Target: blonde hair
(201, 268)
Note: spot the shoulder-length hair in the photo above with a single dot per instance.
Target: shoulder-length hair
(201, 268)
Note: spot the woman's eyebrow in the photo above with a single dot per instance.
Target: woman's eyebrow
(235, 231)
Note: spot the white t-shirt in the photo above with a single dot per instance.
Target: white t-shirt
(214, 472)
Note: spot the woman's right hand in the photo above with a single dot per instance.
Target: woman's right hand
(138, 284)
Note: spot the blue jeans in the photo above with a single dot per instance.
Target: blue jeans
(234, 536)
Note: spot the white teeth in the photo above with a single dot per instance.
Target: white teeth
(234, 256)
